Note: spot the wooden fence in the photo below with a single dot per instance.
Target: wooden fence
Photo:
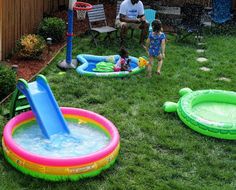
(19, 17)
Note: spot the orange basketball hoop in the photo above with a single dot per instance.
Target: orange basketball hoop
(81, 9)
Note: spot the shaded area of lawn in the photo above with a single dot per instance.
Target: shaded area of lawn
(157, 150)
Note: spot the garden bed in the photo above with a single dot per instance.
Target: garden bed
(29, 68)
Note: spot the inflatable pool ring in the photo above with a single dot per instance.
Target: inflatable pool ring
(104, 67)
(56, 169)
(209, 112)
(89, 62)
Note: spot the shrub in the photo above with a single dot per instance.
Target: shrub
(31, 46)
(7, 81)
(52, 27)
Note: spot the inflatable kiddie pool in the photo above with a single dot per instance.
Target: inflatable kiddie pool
(209, 112)
(61, 168)
(89, 63)
(56, 143)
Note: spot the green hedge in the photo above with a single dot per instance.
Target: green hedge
(31, 46)
(52, 27)
(7, 81)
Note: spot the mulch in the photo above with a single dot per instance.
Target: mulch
(26, 69)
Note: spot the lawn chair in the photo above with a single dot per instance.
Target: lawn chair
(221, 16)
(190, 22)
(98, 24)
(221, 11)
(150, 17)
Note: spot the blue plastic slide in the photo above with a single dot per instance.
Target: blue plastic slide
(44, 106)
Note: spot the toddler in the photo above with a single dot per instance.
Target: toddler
(155, 45)
(123, 63)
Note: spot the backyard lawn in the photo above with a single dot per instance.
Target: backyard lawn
(157, 150)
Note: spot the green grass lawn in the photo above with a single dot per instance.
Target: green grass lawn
(157, 150)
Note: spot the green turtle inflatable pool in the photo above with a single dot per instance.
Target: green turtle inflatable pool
(209, 112)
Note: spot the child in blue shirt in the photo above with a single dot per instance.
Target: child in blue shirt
(155, 45)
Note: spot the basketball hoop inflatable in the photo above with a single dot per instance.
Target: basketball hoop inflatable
(81, 8)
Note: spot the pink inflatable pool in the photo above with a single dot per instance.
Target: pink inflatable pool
(61, 168)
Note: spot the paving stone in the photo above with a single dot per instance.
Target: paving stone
(206, 69)
(224, 79)
(200, 50)
(202, 59)
(199, 37)
(201, 44)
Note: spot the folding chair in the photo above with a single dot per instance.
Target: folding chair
(190, 23)
(98, 24)
(150, 17)
(221, 11)
(221, 16)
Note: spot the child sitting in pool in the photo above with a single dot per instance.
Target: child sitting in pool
(123, 63)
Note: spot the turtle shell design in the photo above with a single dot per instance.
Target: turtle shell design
(209, 112)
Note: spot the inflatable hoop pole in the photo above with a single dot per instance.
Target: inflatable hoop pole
(70, 32)
(73, 5)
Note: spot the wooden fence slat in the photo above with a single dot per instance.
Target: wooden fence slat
(1, 7)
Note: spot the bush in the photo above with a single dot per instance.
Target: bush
(7, 81)
(52, 27)
(31, 46)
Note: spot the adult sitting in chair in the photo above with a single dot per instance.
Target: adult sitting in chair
(131, 15)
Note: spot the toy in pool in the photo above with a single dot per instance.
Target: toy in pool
(210, 112)
(87, 145)
(142, 62)
(89, 62)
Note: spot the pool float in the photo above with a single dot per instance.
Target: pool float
(209, 112)
(104, 67)
(50, 119)
(89, 62)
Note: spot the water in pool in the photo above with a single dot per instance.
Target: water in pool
(215, 111)
(81, 141)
